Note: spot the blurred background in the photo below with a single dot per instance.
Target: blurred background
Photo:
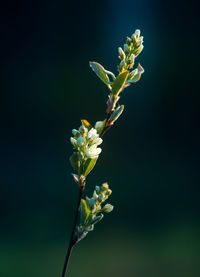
(150, 158)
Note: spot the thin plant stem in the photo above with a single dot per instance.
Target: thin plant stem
(73, 240)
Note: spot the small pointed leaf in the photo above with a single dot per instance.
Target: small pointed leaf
(76, 178)
(100, 72)
(84, 212)
(119, 82)
(97, 219)
(86, 124)
(140, 71)
(88, 166)
(116, 114)
(87, 199)
(75, 161)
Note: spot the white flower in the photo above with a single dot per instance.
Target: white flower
(97, 141)
(80, 141)
(86, 142)
(92, 134)
(93, 152)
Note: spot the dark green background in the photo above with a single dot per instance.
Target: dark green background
(150, 158)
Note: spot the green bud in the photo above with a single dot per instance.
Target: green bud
(97, 188)
(126, 49)
(128, 41)
(131, 59)
(137, 51)
(95, 195)
(137, 33)
(121, 53)
(80, 141)
(73, 142)
(101, 197)
(134, 38)
(107, 208)
(104, 187)
(140, 40)
(75, 132)
(82, 129)
(92, 202)
(122, 65)
(108, 192)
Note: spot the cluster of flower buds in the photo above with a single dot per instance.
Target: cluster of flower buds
(91, 210)
(86, 142)
(132, 48)
(127, 75)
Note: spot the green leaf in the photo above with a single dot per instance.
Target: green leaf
(97, 219)
(75, 161)
(88, 166)
(116, 114)
(137, 76)
(87, 199)
(100, 72)
(119, 82)
(84, 212)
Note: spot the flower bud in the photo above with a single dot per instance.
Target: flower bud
(126, 49)
(82, 129)
(73, 142)
(140, 40)
(80, 141)
(107, 208)
(121, 53)
(137, 33)
(95, 195)
(92, 202)
(101, 197)
(97, 188)
(104, 187)
(131, 59)
(75, 132)
(121, 65)
(138, 50)
(128, 41)
(134, 38)
(108, 192)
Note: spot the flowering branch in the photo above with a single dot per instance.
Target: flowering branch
(86, 141)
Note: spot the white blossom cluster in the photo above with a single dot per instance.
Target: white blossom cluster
(86, 142)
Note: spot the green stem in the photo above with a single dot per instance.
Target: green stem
(73, 240)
